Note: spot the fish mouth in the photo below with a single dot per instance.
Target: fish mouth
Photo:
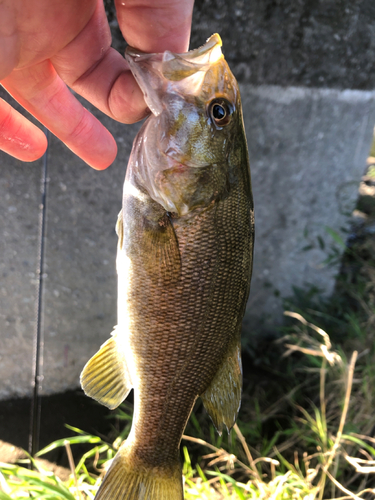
(212, 44)
(210, 49)
(155, 72)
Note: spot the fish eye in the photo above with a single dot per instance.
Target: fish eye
(220, 111)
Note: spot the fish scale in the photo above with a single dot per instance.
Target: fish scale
(184, 265)
(206, 328)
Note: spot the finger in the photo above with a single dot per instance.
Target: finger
(40, 90)
(100, 74)
(109, 85)
(31, 31)
(156, 26)
(18, 136)
(9, 41)
(113, 89)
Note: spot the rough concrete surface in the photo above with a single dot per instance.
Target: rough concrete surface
(307, 149)
(19, 200)
(325, 43)
(81, 284)
(318, 43)
(79, 300)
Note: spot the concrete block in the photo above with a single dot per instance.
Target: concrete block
(328, 43)
(80, 297)
(19, 199)
(80, 282)
(307, 150)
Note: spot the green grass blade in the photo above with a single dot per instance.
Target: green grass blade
(4, 496)
(76, 430)
(335, 236)
(71, 440)
(360, 442)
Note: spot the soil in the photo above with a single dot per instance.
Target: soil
(72, 407)
(10, 454)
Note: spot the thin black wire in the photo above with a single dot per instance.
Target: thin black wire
(35, 412)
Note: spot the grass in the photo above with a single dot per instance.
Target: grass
(322, 456)
(314, 441)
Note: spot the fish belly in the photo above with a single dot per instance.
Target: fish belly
(180, 333)
(176, 337)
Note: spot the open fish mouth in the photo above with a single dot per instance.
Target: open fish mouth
(156, 73)
(209, 52)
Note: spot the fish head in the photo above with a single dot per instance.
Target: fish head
(196, 116)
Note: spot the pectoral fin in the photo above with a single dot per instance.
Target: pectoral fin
(222, 398)
(160, 252)
(120, 229)
(105, 377)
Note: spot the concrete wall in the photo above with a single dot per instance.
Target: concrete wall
(307, 148)
(318, 43)
(314, 43)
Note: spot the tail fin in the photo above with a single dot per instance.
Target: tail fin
(124, 481)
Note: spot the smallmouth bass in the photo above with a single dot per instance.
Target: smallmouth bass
(184, 260)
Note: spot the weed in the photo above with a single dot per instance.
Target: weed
(322, 456)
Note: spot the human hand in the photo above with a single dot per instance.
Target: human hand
(47, 45)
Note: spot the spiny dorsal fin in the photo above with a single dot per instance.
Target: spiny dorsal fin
(105, 377)
(222, 398)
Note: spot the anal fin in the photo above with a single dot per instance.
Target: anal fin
(222, 398)
(105, 377)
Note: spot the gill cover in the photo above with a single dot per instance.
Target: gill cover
(181, 156)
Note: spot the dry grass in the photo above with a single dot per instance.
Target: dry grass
(335, 465)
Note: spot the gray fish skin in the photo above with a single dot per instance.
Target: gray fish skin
(186, 233)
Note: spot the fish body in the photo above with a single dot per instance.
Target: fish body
(184, 265)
